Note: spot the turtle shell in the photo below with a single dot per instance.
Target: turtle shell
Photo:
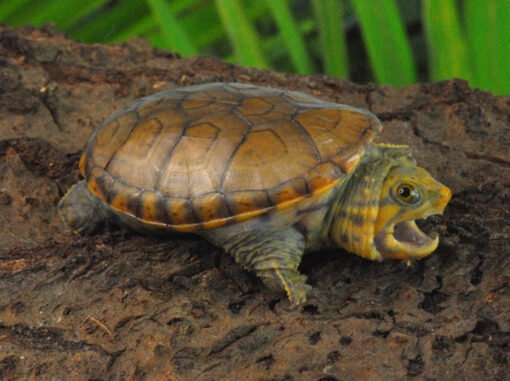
(203, 156)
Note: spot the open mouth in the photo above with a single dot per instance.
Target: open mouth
(407, 232)
(405, 240)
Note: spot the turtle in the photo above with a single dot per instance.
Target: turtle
(267, 174)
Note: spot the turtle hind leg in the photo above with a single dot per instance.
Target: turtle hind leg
(83, 212)
(275, 259)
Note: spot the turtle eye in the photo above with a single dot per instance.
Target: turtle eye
(408, 194)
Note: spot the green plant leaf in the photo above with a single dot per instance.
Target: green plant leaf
(175, 36)
(103, 25)
(241, 33)
(147, 27)
(328, 14)
(62, 13)
(488, 34)
(386, 42)
(445, 40)
(291, 35)
(15, 12)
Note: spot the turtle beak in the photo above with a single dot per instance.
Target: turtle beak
(445, 195)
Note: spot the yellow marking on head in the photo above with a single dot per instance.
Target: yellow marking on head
(386, 213)
(357, 228)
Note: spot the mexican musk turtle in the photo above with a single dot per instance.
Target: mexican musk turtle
(265, 173)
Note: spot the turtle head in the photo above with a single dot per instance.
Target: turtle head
(83, 212)
(377, 207)
(408, 193)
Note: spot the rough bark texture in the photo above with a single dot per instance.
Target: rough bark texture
(122, 306)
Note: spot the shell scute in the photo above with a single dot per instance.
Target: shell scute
(133, 162)
(247, 202)
(288, 191)
(124, 198)
(158, 105)
(323, 176)
(211, 206)
(111, 137)
(150, 207)
(180, 212)
(202, 103)
(255, 106)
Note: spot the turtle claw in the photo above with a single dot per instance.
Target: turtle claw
(291, 281)
(297, 295)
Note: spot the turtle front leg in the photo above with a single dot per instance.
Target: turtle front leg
(275, 258)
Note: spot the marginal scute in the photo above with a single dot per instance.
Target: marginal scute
(124, 199)
(303, 99)
(196, 100)
(210, 207)
(150, 207)
(179, 211)
(82, 162)
(207, 155)
(160, 104)
(95, 189)
(242, 202)
(288, 191)
(202, 104)
(100, 183)
(324, 176)
(348, 158)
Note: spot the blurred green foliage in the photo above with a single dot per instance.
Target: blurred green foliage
(395, 42)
